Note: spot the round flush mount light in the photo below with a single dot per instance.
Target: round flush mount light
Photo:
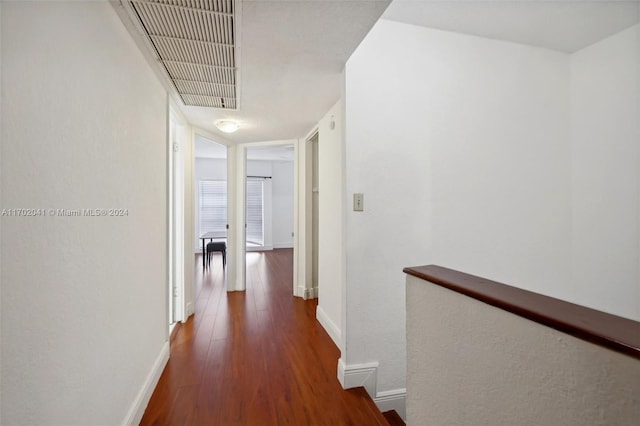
(227, 126)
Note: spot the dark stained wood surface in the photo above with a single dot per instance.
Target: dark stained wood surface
(611, 331)
(393, 418)
(254, 358)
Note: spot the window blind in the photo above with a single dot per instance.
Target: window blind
(255, 211)
(213, 206)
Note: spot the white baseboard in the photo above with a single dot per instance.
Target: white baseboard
(395, 399)
(307, 293)
(190, 311)
(311, 293)
(144, 395)
(282, 245)
(366, 375)
(355, 375)
(329, 326)
(259, 248)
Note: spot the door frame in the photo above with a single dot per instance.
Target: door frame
(303, 262)
(240, 162)
(236, 188)
(176, 143)
(232, 238)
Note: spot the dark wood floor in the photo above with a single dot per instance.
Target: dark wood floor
(254, 358)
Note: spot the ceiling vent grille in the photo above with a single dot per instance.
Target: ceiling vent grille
(195, 41)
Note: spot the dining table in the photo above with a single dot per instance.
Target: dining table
(212, 235)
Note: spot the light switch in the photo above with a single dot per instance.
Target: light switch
(358, 202)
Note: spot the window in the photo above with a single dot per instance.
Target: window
(255, 212)
(213, 206)
(213, 209)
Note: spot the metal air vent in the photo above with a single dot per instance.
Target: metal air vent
(195, 41)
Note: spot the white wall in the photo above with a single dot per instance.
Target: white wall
(282, 203)
(474, 364)
(459, 146)
(605, 81)
(331, 252)
(84, 299)
(1, 206)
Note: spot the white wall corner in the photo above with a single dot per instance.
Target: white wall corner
(393, 400)
(366, 375)
(356, 375)
(144, 395)
(328, 325)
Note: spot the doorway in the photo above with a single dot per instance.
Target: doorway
(269, 198)
(211, 196)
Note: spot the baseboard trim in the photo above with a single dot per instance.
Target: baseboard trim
(144, 395)
(259, 248)
(311, 293)
(282, 245)
(355, 375)
(395, 399)
(366, 375)
(329, 326)
(307, 293)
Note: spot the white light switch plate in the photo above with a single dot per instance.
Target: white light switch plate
(358, 202)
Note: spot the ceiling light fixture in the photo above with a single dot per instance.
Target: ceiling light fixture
(227, 126)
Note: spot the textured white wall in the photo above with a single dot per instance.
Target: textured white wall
(605, 120)
(83, 298)
(331, 253)
(1, 206)
(282, 204)
(470, 363)
(459, 145)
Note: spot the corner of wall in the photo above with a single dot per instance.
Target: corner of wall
(144, 395)
(366, 375)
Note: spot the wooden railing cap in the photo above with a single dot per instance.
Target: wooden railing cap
(611, 331)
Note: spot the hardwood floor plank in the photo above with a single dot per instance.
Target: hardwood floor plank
(257, 357)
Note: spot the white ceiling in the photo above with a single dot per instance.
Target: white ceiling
(205, 148)
(292, 54)
(564, 25)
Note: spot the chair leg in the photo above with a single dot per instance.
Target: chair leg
(224, 258)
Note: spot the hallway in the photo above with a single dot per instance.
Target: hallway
(254, 358)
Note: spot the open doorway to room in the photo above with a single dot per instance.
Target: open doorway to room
(211, 202)
(269, 201)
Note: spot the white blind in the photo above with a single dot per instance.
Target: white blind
(255, 211)
(213, 206)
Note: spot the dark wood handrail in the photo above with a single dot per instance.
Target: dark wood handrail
(611, 331)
